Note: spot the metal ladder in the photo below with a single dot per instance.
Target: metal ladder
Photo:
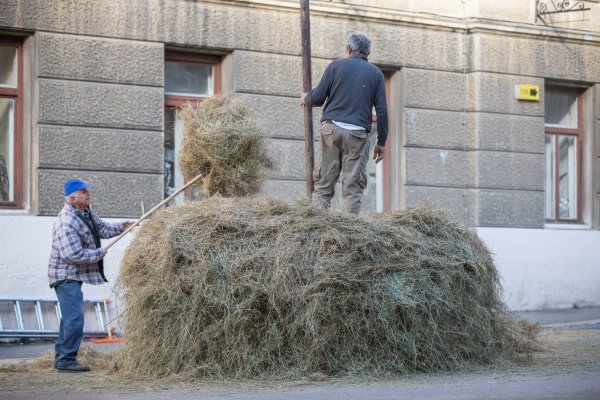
(40, 318)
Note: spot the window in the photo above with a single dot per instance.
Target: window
(378, 175)
(189, 78)
(563, 127)
(11, 60)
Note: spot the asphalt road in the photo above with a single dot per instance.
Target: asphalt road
(570, 369)
(584, 387)
(549, 318)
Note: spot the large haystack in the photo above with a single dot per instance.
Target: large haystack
(223, 142)
(243, 288)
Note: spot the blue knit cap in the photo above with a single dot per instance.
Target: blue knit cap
(74, 185)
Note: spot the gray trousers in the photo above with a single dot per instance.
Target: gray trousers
(341, 151)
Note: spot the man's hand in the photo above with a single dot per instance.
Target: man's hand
(378, 153)
(103, 253)
(302, 98)
(127, 224)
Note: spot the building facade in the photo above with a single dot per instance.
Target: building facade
(90, 89)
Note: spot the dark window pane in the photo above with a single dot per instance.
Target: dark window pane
(567, 177)
(8, 66)
(186, 79)
(172, 172)
(561, 110)
(7, 145)
(169, 167)
(550, 174)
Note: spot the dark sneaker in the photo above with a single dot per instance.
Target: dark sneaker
(73, 368)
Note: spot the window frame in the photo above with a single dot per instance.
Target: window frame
(175, 101)
(386, 159)
(578, 134)
(17, 95)
(197, 59)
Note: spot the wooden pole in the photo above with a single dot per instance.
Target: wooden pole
(143, 217)
(309, 150)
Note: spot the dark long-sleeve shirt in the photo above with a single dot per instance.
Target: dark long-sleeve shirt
(352, 86)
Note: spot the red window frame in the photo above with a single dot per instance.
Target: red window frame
(578, 134)
(174, 101)
(17, 95)
(215, 61)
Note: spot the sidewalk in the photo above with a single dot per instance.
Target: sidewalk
(569, 318)
(21, 352)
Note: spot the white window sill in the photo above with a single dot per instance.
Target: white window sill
(580, 227)
(12, 212)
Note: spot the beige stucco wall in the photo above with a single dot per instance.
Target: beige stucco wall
(506, 11)
(458, 136)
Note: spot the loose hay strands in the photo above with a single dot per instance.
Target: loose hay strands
(225, 144)
(87, 355)
(246, 288)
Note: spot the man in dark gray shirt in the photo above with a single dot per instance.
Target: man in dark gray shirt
(350, 88)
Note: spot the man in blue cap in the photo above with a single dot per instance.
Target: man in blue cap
(76, 258)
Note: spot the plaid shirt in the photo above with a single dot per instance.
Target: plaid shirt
(74, 253)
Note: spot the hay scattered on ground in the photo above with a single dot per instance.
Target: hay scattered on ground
(244, 288)
(225, 144)
(87, 355)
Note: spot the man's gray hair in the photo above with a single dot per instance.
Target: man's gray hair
(360, 43)
(68, 198)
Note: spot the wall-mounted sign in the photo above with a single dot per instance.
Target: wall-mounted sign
(527, 92)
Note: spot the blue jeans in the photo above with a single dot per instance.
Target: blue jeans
(70, 298)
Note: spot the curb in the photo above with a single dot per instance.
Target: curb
(591, 324)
